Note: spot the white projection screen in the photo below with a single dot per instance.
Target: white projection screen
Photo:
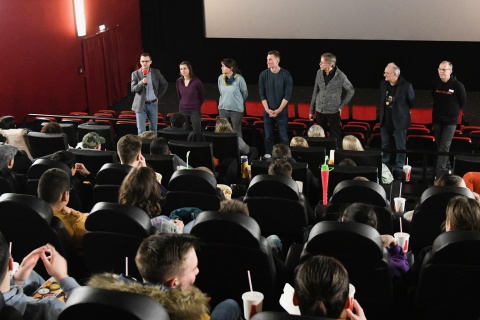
(425, 20)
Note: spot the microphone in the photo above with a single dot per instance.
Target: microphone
(145, 71)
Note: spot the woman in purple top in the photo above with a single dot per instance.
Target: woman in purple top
(191, 95)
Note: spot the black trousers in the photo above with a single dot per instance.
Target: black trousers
(331, 122)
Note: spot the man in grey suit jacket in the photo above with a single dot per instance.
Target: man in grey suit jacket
(149, 86)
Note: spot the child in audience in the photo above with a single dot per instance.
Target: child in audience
(299, 142)
(17, 287)
(321, 289)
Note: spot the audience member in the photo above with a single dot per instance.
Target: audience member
(18, 287)
(51, 127)
(223, 126)
(168, 264)
(148, 135)
(92, 140)
(54, 188)
(316, 131)
(140, 189)
(16, 181)
(472, 181)
(321, 289)
(177, 122)
(352, 143)
(70, 160)
(347, 162)
(298, 142)
(283, 151)
(365, 214)
(159, 146)
(15, 137)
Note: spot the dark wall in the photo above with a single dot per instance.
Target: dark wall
(174, 31)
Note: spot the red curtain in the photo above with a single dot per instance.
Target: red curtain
(102, 69)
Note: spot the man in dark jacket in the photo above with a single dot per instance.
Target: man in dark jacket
(396, 99)
(448, 98)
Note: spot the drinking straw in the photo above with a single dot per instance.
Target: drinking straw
(188, 155)
(326, 159)
(401, 229)
(10, 248)
(407, 161)
(126, 266)
(400, 194)
(250, 280)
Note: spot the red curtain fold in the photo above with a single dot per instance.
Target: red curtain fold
(103, 69)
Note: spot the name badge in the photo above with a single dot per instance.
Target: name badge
(451, 90)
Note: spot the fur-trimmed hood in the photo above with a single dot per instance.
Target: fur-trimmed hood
(189, 304)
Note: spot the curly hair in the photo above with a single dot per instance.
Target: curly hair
(140, 188)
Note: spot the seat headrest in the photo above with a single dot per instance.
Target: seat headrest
(26, 208)
(192, 181)
(264, 185)
(112, 173)
(442, 194)
(118, 218)
(370, 190)
(345, 238)
(230, 228)
(41, 165)
(456, 247)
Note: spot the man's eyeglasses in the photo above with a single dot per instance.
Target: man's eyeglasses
(443, 69)
(145, 61)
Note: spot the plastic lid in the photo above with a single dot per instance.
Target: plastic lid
(325, 167)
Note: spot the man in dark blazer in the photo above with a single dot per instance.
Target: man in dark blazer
(396, 99)
(149, 86)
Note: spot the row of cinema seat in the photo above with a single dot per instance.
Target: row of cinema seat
(233, 244)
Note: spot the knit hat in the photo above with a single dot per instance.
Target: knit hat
(91, 140)
(7, 153)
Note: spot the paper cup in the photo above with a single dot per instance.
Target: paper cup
(227, 191)
(408, 171)
(351, 294)
(399, 204)
(402, 239)
(252, 303)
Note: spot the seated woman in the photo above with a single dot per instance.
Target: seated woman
(223, 126)
(352, 143)
(321, 289)
(316, 131)
(141, 189)
(298, 142)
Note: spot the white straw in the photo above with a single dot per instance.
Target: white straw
(188, 155)
(400, 194)
(401, 229)
(10, 248)
(250, 280)
(407, 161)
(126, 266)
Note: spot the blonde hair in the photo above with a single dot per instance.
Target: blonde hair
(316, 131)
(351, 143)
(298, 142)
(223, 125)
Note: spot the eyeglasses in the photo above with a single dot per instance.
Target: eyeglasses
(443, 69)
(145, 61)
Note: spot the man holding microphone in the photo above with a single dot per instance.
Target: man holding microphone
(149, 86)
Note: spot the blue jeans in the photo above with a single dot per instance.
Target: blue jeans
(149, 111)
(443, 137)
(269, 126)
(193, 116)
(400, 143)
(227, 310)
(236, 119)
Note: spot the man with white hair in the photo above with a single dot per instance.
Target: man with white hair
(396, 99)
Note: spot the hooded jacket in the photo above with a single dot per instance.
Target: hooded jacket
(189, 304)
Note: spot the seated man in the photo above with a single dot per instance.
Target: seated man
(18, 288)
(54, 188)
(281, 151)
(16, 181)
(282, 167)
(91, 140)
(177, 121)
(129, 149)
(168, 264)
(159, 146)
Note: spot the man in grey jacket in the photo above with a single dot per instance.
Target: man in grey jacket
(149, 86)
(327, 95)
